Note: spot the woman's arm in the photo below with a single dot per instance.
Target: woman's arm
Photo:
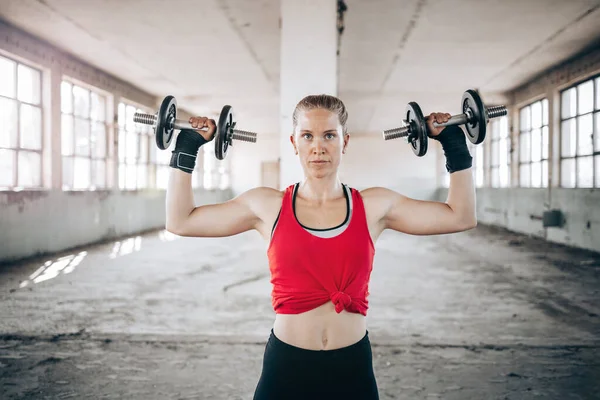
(419, 217)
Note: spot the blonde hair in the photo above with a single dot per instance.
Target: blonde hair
(324, 101)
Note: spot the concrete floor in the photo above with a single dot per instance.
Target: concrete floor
(484, 314)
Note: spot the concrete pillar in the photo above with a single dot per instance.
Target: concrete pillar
(553, 138)
(112, 133)
(308, 66)
(52, 159)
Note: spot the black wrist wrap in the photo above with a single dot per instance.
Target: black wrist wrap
(455, 148)
(186, 150)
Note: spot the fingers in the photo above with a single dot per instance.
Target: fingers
(212, 126)
(205, 126)
(198, 122)
(440, 118)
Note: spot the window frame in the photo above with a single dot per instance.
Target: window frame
(151, 163)
(595, 139)
(106, 159)
(15, 186)
(545, 123)
(497, 167)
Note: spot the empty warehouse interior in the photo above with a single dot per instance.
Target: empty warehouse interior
(484, 279)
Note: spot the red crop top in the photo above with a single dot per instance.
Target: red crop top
(308, 271)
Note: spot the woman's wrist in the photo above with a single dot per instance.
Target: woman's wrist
(455, 148)
(186, 150)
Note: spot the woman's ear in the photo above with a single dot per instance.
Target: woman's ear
(346, 139)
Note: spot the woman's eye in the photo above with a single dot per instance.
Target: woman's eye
(307, 136)
(330, 136)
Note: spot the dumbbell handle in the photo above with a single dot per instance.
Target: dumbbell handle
(453, 120)
(405, 130)
(492, 112)
(459, 119)
(149, 119)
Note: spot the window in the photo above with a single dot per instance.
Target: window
(21, 120)
(580, 135)
(500, 152)
(533, 145)
(216, 172)
(84, 137)
(135, 142)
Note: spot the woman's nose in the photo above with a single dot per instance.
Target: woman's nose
(318, 146)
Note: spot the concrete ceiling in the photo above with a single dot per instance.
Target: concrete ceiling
(213, 52)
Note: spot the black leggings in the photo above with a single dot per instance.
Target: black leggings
(290, 372)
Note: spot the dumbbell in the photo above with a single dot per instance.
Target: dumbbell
(475, 117)
(165, 122)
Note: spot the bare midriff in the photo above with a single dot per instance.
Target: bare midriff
(321, 328)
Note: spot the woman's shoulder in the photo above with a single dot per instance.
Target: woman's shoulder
(376, 192)
(264, 193)
(379, 199)
(263, 201)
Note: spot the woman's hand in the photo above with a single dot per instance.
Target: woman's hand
(199, 123)
(439, 118)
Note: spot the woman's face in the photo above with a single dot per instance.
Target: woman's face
(319, 142)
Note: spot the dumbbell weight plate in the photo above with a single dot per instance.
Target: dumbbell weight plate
(223, 133)
(476, 128)
(418, 129)
(164, 122)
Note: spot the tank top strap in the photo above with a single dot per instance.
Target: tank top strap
(287, 207)
(360, 215)
(357, 202)
(288, 197)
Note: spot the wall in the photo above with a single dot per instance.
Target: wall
(372, 161)
(41, 222)
(247, 159)
(519, 209)
(513, 207)
(35, 222)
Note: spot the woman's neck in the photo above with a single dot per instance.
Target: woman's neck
(321, 190)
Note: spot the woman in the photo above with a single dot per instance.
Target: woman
(321, 236)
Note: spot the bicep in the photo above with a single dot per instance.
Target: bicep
(420, 217)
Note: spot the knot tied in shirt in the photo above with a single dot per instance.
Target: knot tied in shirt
(341, 301)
